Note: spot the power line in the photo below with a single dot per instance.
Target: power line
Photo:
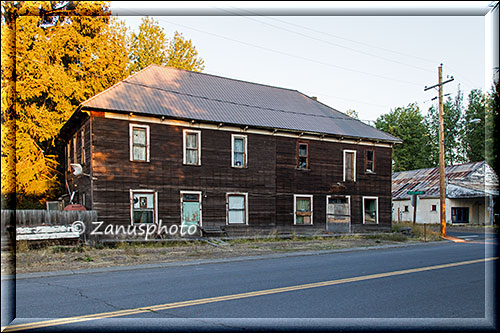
(334, 44)
(292, 55)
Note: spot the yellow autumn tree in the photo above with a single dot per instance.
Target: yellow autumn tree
(54, 56)
(150, 45)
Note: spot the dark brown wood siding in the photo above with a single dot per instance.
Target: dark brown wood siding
(271, 178)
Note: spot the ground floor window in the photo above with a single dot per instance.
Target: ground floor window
(370, 210)
(303, 209)
(143, 206)
(459, 214)
(237, 211)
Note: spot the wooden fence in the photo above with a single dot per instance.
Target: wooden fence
(36, 218)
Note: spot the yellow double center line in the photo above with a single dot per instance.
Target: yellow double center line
(160, 307)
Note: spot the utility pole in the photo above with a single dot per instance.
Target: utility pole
(442, 184)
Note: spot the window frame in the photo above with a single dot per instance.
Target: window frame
(345, 152)
(240, 194)
(68, 155)
(131, 142)
(200, 201)
(376, 209)
(295, 196)
(185, 132)
(75, 155)
(155, 205)
(245, 151)
(298, 156)
(83, 156)
(372, 171)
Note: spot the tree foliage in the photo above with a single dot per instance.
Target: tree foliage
(151, 46)
(407, 123)
(59, 57)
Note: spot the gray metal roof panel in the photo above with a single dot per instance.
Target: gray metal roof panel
(170, 92)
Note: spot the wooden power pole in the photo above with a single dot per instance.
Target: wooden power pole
(442, 180)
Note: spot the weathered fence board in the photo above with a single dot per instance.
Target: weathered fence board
(43, 224)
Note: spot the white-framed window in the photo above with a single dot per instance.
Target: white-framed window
(143, 206)
(238, 151)
(192, 147)
(82, 146)
(68, 156)
(139, 142)
(237, 208)
(75, 160)
(303, 209)
(349, 165)
(302, 155)
(370, 210)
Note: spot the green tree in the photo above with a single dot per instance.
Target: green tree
(453, 110)
(491, 121)
(407, 123)
(59, 55)
(151, 46)
(473, 130)
(352, 113)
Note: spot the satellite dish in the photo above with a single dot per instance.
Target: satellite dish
(77, 169)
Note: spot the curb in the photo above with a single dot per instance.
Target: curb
(203, 261)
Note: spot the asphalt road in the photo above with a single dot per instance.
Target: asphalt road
(441, 285)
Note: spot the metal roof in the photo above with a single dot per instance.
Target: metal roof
(181, 94)
(463, 181)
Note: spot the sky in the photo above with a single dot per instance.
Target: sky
(370, 57)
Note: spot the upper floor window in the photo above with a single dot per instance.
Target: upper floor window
(192, 147)
(349, 165)
(139, 142)
(302, 155)
(370, 161)
(239, 151)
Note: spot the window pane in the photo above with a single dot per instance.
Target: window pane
(236, 216)
(140, 136)
(303, 205)
(303, 150)
(192, 140)
(299, 220)
(139, 153)
(239, 145)
(349, 166)
(239, 159)
(370, 210)
(369, 155)
(191, 156)
(143, 200)
(141, 216)
(236, 202)
(302, 162)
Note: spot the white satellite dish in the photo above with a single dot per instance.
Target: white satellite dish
(77, 169)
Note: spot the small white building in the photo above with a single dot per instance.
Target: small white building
(471, 192)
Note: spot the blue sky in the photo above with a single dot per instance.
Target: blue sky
(359, 59)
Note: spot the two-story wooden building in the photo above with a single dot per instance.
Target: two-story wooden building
(191, 148)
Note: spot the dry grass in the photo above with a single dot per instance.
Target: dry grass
(63, 257)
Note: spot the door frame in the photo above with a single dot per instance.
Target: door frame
(199, 193)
